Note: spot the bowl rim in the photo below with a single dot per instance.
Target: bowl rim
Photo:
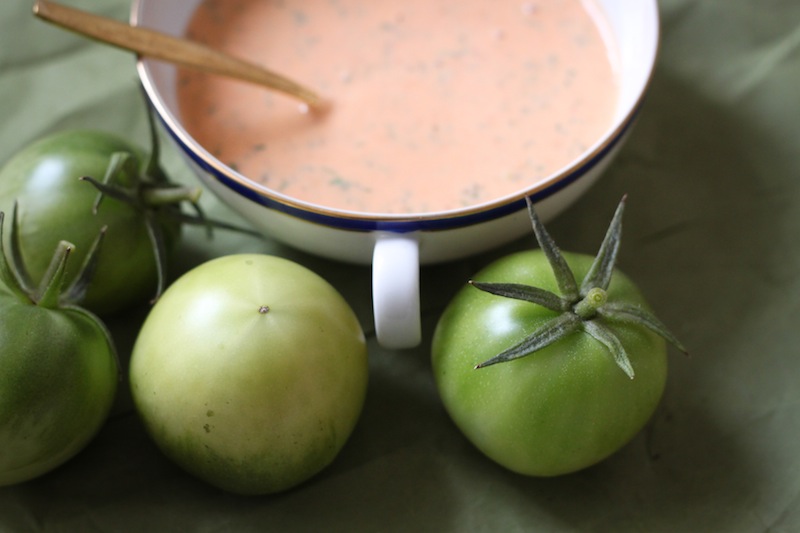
(395, 222)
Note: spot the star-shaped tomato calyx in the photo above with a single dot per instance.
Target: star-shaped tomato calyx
(583, 307)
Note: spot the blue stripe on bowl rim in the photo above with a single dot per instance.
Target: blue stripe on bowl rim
(367, 222)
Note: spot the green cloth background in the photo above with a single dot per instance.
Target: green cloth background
(712, 235)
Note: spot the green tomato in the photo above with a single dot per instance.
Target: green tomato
(54, 204)
(250, 372)
(58, 376)
(541, 375)
(559, 410)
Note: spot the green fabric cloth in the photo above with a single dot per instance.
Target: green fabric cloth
(711, 235)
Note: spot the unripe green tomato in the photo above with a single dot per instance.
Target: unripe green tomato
(55, 205)
(58, 379)
(560, 409)
(250, 372)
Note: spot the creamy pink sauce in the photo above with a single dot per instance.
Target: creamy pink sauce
(436, 104)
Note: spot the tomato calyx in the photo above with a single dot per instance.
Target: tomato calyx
(50, 292)
(152, 193)
(583, 307)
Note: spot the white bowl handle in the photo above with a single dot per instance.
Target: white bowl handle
(395, 290)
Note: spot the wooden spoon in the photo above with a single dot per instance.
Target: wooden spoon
(158, 45)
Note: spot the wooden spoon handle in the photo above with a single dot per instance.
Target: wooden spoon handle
(158, 45)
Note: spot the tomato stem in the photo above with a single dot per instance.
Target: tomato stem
(155, 196)
(152, 168)
(588, 306)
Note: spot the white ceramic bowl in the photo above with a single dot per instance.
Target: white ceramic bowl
(397, 244)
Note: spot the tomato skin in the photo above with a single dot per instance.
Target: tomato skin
(54, 205)
(560, 409)
(250, 399)
(58, 380)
